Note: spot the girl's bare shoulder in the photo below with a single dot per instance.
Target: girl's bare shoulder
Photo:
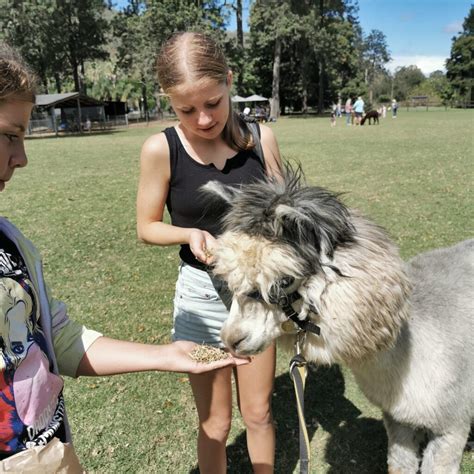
(155, 148)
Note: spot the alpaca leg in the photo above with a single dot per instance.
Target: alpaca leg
(444, 452)
(403, 446)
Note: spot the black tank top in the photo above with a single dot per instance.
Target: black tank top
(185, 202)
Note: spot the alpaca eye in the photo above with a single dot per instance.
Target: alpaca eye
(276, 292)
(286, 282)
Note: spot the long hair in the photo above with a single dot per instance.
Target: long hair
(16, 78)
(196, 58)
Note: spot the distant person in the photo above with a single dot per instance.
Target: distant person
(88, 125)
(384, 111)
(338, 108)
(333, 118)
(359, 109)
(394, 108)
(260, 114)
(348, 111)
(38, 340)
(246, 111)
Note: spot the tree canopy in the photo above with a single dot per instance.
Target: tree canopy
(460, 65)
(302, 53)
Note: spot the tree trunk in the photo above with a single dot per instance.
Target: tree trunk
(72, 50)
(44, 80)
(240, 43)
(144, 100)
(275, 101)
(77, 81)
(368, 78)
(304, 105)
(57, 80)
(304, 82)
(321, 64)
(321, 87)
(74, 67)
(82, 77)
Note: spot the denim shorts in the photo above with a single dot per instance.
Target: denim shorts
(201, 305)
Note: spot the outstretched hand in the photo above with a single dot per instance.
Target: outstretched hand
(182, 361)
(108, 356)
(201, 243)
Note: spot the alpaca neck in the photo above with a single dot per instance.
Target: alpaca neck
(380, 377)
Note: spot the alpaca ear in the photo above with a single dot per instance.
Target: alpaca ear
(298, 229)
(283, 212)
(296, 226)
(219, 193)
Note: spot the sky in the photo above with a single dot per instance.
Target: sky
(418, 32)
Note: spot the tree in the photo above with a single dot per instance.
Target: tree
(145, 25)
(237, 56)
(335, 41)
(273, 23)
(83, 33)
(405, 79)
(305, 49)
(460, 65)
(441, 86)
(23, 25)
(51, 34)
(376, 55)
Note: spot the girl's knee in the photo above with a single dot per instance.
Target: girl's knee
(257, 417)
(216, 428)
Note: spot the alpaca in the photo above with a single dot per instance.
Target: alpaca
(404, 329)
(371, 115)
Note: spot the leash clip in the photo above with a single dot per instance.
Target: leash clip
(298, 360)
(300, 338)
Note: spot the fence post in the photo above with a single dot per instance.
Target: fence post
(53, 121)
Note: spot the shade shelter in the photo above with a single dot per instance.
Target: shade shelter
(259, 113)
(250, 98)
(255, 98)
(238, 98)
(70, 104)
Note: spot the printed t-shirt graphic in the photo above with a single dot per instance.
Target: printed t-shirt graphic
(31, 401)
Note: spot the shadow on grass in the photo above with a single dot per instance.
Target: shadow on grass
(355, 444)
(74, 134)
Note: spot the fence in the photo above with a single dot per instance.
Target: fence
(410, 105)
(45, 125)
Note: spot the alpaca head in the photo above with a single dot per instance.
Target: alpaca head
(281, 236)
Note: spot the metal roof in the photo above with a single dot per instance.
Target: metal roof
(255, 98)
(68, 99)
(250, 98)
(238, 98)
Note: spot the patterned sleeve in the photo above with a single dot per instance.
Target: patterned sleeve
(70, 339)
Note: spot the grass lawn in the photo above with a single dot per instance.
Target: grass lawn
(76, 201)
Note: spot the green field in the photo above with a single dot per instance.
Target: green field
(76, 201)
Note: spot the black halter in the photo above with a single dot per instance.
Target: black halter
(285, 301)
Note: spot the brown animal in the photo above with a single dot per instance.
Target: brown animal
(371, 115)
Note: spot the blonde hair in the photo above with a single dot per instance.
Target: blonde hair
(196, 58)
(17, 81)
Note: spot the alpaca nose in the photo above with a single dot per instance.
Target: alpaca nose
(235, 345)
(232, 338)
